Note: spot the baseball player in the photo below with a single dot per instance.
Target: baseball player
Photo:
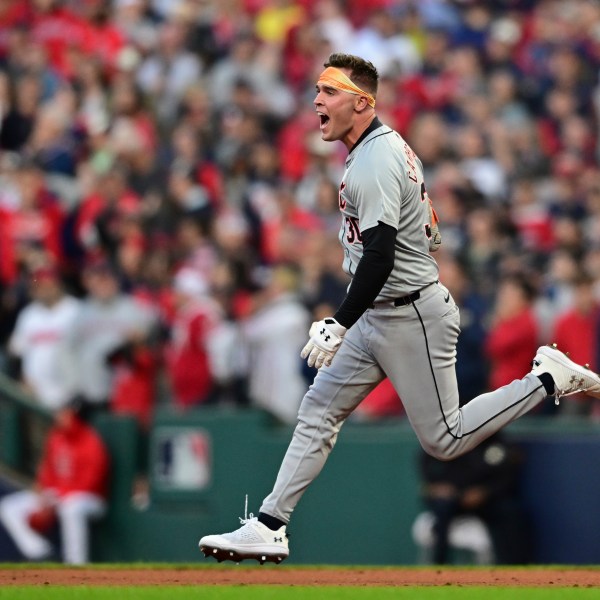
(397, 320)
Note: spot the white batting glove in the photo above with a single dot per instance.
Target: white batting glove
(325, 338)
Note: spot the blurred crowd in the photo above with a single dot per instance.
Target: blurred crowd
(168, 210)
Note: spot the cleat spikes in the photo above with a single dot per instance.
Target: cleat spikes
(221, 555)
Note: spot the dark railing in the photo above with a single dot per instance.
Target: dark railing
(23, 427)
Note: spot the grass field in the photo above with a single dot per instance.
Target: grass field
(292, 593)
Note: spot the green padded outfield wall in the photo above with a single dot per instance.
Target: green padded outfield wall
(357, 511)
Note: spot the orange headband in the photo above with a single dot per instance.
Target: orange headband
(337, 79)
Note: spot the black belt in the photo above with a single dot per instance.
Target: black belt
(403, 300)
(406, 300)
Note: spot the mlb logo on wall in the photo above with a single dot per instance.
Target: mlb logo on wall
(183, 458)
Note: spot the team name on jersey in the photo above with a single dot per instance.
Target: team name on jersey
(411, 161)
(341, 200)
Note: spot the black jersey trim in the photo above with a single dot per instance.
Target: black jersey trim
(375, 124)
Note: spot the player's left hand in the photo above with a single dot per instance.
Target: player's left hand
(325, 338)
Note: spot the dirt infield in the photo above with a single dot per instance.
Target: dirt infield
(282, 575)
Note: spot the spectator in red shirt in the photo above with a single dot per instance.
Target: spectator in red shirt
(58, 29)
(106, 217)
(575, 332)
(70, 487)
(513, 336)
(103, 37)
(13, 13)
(134, 385)
(37, 220)
(188, 356)
(574, 329)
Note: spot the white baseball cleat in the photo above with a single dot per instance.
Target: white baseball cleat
(251, 540)
(569, 377)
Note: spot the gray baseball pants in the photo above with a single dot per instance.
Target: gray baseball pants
(415, 346)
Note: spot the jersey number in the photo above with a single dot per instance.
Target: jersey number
(352, 231)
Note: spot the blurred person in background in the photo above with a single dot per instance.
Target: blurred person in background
(258, 67)
(70, 489)
(41, 343)
(133, 19)
(188, 197)
(531, 217)
(170, 70)
(483, 246)
(18, 117)
(134, 366)
(513, 335)
(103, 36)
(380, 41)
(196, 113)
(102, 221)
(333, 23)
(576, 331)
(274, 334)
(109, 319)
(556, 289)
(188, 352)
(472, 368)
(35, 218)
(484, 483)
(53, 141)
(320, 165)
(323, 284)
(186, 148)
(479, 165)
(194, 247)
(61, 31)
(132, 114)
(284, 232)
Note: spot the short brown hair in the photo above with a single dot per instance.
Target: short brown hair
(362, 72)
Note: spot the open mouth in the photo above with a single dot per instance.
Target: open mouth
(323, 120)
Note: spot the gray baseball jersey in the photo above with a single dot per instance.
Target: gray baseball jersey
(412, 342)
(383, 182)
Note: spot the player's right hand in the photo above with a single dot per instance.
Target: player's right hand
(325, 338)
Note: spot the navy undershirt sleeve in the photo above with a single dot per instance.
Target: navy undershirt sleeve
(372, 272)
